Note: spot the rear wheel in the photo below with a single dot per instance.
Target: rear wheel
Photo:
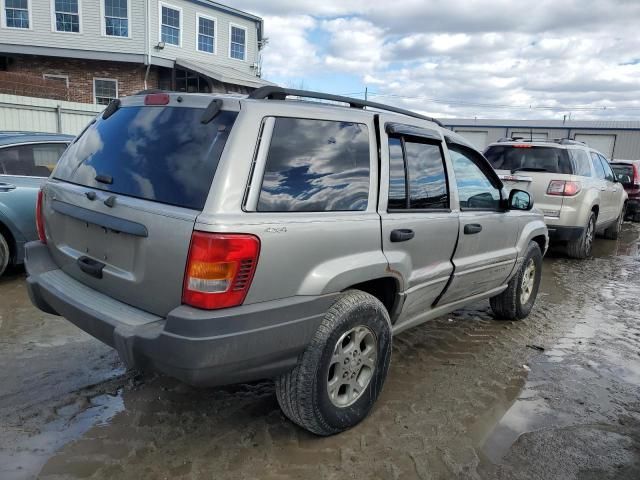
(5, 254)
(613, 231)
(516, 302)
(581, 247)
(340, 375)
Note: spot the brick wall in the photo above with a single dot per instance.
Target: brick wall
(81, 73)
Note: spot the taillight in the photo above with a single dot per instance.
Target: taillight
(39, 219)
(563, 188)
(636, 176)
(220, 269)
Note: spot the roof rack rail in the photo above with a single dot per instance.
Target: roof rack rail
(279, 93)
(568, 141)
(561, 141)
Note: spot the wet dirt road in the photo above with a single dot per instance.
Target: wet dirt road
(554, 396)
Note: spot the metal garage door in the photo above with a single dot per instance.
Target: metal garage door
(475, 138)
(535, 136)
(602, 143)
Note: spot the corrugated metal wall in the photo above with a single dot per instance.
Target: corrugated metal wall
(42, 115)
(626, 144)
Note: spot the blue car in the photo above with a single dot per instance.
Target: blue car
(26, 160)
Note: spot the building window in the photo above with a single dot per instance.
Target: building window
(116, 18)
(104, 90)
(16, 13)
(170, 25)
(67, 16)
(206, 34)
(238, 44)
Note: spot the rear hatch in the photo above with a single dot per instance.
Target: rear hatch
(629, 175)
(532, 167)
(121, 205)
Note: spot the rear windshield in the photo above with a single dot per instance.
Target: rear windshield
(529, 158)
(622, 170)
(165, 154)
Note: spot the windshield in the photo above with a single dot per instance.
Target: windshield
(529, 158)
(165, 154)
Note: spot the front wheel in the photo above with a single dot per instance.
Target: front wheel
(516, 302)
(340, 375)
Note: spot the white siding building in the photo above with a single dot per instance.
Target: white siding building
(95, 50)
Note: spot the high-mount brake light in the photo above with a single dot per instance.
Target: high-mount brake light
(220, 269)
(522, 145)
(563, 188)
(157, 99)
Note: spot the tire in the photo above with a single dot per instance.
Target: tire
(303, 393)
(581, 248)
(636, 217)
(613, 231)
(5, 254)
(516, 302)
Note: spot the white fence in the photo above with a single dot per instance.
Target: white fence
(43, 115)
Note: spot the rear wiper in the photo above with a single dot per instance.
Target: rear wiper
(529, 169)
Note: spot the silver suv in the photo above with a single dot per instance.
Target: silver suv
(222, 239)
(571, 183)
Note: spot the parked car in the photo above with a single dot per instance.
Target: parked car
(571, 183)
(628, 174)
(26, 160)
(221, 239)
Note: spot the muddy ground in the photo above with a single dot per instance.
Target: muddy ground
(554, 396)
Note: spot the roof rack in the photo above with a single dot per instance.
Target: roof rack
(561, 141)
(279, 93)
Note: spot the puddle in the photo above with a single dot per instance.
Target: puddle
(25, 458)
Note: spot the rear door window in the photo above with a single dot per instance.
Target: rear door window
(164, 154)
(530, 158)
(316, 166)
(581, 164)
(424, 175)
(32, 160)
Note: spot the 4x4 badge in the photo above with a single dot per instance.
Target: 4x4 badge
(276, 230)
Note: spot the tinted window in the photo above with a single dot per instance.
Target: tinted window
(580, 160)
(427, 179)
(623, 172)
(165, 154)
(397, 179)
(597, 165)
(475, 190)
(35, 160)
(528, 157)
(316, 165)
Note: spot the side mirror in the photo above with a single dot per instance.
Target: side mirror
(520, 200)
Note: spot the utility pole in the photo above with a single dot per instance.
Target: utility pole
(366, 93)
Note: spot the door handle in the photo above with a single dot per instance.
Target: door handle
(402, 235)
(6, 187)
(472, 228)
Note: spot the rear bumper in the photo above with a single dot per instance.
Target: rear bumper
(564, 234)
(199, 347)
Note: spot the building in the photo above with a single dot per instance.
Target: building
(93, 51)
(616, 139)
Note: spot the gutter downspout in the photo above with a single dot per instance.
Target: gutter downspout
(148, 47)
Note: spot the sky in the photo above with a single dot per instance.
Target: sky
(461, 58)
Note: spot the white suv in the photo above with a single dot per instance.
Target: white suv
(571, 183)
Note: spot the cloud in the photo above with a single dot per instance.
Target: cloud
(492, 58)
